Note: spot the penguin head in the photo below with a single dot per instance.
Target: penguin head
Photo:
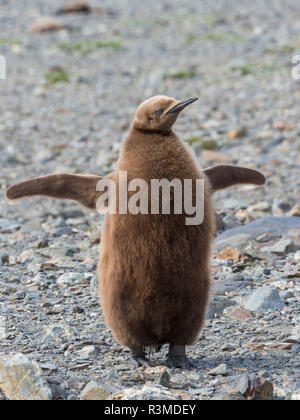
(159, 113)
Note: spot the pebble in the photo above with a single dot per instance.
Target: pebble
(219, 370)
(96, 392)
(71, 279)
(237, 314)
(282, 247)
(164, 378)
(151, 392)
(217, 306)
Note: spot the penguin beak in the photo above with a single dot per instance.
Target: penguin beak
(179, 107)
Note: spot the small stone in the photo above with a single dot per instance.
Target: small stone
(46, 24)
(227, 397)
(151, 392)
(76, 7)
(213, 156)
(295, 211)
(227, 347)
(282, 247)
(237, 133)
(94, 286)
(78, 309)
(263, 299)
(71, 279)
(285, 294)
(49, 367)
(95, 238)
(297, 256)
(88, 351)
(249, 386)
(237, 314)
(95, 392)
(261, 206)
(265, 237)
(33, 225)
(20, 295)
(295, 335)
(8, 226)
(4, 259)
(70, 252)
(26, 256)
(164, 378)
(276, 226)
(219, 370)
(217, 306)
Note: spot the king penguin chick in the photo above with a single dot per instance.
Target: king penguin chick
(154, 287)
(154, 269)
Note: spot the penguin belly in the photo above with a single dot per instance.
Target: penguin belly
(154, 278)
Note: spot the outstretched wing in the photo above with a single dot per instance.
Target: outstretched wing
(81, 188)
(224, 176)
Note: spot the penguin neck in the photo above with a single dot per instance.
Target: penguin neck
(143, 143)
(134, 130)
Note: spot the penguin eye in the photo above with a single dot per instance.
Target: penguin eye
(158, 111)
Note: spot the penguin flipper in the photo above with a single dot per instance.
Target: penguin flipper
(224, 176)
(81, 188)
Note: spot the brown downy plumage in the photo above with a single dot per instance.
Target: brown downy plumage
(154, 272)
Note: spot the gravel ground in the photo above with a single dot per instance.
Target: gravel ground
(68, 99)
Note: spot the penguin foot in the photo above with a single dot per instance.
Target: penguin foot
(140, 361)
(181, 362)
(176, 357)
(138, 357)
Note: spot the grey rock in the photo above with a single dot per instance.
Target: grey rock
(8, 226)
(276, 226)
(78, 309)
(149, 392)
(219, 370)
(295, 335)
(94, 286)
(282, 247)
(164, 378)
(4, 259)
(285, 294)
(22, 379)
(221, 396)
(217, 306)
(31, 226)
(20, 295)
(95, 392)
(263, 299)
(236, 239)
(71, 279)
(87, 352)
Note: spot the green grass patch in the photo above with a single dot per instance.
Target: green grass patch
(182, 74)
(191, 38)
(210, 20)
(10, 42)
(234, 38)
(283, 49)
(87, 46)
(207, 144)
(262, 71)
(57, 76)
(243, 70)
